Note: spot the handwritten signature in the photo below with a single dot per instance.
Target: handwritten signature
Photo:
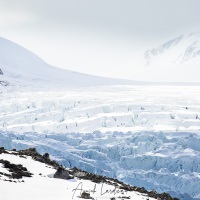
(79, 189)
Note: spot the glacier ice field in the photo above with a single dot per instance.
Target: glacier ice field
(143, 135)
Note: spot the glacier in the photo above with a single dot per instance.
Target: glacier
(146, 136)
(165, 162)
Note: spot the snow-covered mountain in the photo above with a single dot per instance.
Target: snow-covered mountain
(28, 175)
(18, 65)
(175, 60)
(179, 50)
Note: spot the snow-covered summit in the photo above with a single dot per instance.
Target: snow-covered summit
(175, 60)
(22, 66)
(179, 50)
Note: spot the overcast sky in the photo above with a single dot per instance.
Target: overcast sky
(96, 37)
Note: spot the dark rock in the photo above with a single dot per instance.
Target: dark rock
(1, 73)
(38, 157)
(85, 195)
(2, 150)
(46, 156)
(17, 171)
(124, 197)
(22, 156)
(62, 174)
(4, 83)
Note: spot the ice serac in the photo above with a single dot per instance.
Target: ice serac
(105, 131)
(22, 66)
(154, 160)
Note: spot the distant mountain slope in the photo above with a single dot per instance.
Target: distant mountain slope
(179, 50)
(177, 59)
(21, 65)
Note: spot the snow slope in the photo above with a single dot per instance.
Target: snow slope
(179, 50)
(176, 60)
(42, 186)
(144, 135)
(22, 67)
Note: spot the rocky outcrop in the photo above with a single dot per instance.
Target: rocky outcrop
(17, 171)
(111, 181)
(62, 174)
(38, 157)
(2, 82)
(86, 195)
(2, 150)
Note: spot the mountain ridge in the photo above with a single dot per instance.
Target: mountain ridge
(175, 60)
(191, 50)
(19, 64)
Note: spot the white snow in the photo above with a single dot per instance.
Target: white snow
(42, 187)
(21, 68)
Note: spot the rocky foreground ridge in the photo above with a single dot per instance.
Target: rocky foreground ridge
(18, 171)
